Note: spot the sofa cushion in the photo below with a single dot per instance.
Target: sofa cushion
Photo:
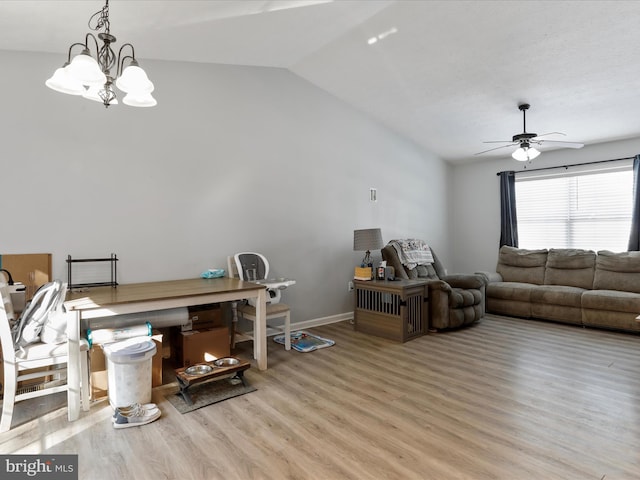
(510, 298)
(611, 300)
(464, 297)
(617, 271)
(570, 267)
(557, 295)
(558, 303)
(510, 291)
(521, 265)
(611, 309)
(426, 271)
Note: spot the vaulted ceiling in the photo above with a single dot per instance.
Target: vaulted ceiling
(449, 75)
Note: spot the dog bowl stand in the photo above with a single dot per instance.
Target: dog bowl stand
(217, 373)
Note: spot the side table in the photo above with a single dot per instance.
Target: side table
(393, 309)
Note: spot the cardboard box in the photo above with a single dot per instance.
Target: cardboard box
(32, 269)
(204, 316)
(199, 346)
(166, 341)
(98, 369)
(156, 360)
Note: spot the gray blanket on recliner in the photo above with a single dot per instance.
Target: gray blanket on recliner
(412, 252)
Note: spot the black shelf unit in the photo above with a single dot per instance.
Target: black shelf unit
(113, 259)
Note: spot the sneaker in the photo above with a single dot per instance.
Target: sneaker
(136, 417)
(130, 408)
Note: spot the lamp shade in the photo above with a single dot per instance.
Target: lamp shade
(60, 81)
(524, 154)
(139, 100)
(367, 239)
(85, 69)
(134, 80)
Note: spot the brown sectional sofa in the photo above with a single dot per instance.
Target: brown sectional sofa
(567, 285)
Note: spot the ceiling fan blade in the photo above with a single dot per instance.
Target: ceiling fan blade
(496, 148)
(526, 140)
(558, 143)
(552, 133)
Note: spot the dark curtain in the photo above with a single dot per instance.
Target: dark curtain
(634, 238)
(508, 217)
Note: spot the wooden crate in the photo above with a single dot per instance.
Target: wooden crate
(397, 310)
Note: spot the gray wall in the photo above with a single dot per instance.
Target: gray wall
(232, 159)
(475, 231)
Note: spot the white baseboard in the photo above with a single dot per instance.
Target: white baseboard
(317, 322)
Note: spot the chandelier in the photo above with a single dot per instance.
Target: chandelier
(93, 78)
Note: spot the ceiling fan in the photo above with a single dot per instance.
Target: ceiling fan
(525, 141)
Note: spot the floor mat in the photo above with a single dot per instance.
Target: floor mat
(208, 393)
(305, 342)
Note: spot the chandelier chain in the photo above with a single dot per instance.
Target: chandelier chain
(101, 19)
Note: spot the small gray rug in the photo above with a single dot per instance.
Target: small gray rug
(209, 393)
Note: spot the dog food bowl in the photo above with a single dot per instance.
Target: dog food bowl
(226, 362)
(199, 370)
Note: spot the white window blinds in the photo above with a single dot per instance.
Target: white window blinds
(580, 207)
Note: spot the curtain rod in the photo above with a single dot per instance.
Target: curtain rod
(573, 165)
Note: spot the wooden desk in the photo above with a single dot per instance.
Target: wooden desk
(146, 297)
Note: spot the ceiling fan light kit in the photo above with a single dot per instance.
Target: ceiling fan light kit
(92, 78)
(525, 151)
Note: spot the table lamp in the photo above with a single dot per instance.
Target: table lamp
(366, 240)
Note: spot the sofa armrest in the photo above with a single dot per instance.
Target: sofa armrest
(464, 280)
(438, 285)
(491, 277)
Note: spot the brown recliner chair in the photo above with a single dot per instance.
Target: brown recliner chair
(454, 300)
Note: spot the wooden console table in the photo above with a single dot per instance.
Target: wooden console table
(146, 297)
(396, 310)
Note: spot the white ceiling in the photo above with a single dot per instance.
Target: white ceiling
(449, 78)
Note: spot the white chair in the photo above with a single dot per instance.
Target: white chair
(37, 360)
(253, 266)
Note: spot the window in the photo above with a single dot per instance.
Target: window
(576, 207)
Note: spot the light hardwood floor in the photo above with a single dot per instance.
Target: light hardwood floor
(505, 399)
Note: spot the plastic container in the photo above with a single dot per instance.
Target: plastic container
(129, 371)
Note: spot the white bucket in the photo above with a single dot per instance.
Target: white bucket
(129, 371)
